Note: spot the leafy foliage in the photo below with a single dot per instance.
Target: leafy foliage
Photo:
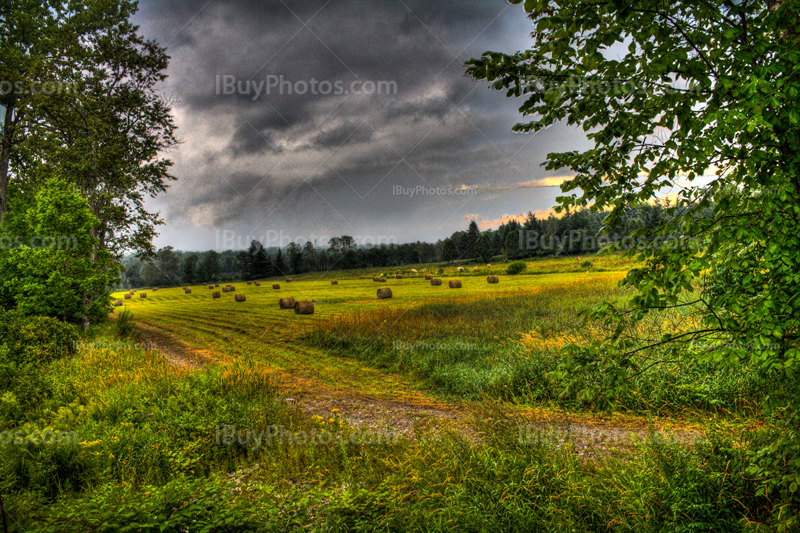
(516, 267)
(55, 266)
(698, 97)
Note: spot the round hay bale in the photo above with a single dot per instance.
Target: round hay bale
(398, 276)
(128, 296)
(492, 279)
(155, 289)
(382, 280)
(384, 293)
(131, 291)
(187, 291)
(334, 282)
(276, 286)
(257, 284)
(455, 283)
(249, 282)
(428, 277)
(240, 297)
(287, 303)
(304, 308)
(211, 287)
(436, 281)
(142, 295)
(216, 285)
(117, 303)
(288, 280)
(215, 294)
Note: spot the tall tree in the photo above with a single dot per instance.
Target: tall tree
(310, 256)
(211, 267)
(484, 250)
(191, 269)
(471, 239)
(449, 251)
(280, 266)
(260, 264)
(32, 53)
(105, 128)
(295, 255)
(705, 93)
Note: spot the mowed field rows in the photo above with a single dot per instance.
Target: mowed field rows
(257, 329)
(427, 350)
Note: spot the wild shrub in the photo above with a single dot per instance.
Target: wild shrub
(516, 267)
(124, 325)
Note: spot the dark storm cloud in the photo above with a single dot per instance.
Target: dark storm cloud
(347, 133)
(253, 154)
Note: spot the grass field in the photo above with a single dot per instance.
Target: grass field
(441, 404)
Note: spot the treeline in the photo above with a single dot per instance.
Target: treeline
(573, 233)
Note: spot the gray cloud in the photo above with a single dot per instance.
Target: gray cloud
(294, 160)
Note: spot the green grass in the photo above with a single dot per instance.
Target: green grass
(147, 454)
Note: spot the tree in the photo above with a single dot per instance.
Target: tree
(497, 243)
(280, 266)
(335, 247)
(133, 274)
(310, 256)
(211, 266)
(295, 253)
(169, 264)
(484, 250)
(512, 247)
(705, 90)
(471, 239)
(152, 276)
(28, 56)
(259, 264)
(54, 268)
(191, 269)
(449, 251)
(105, 129)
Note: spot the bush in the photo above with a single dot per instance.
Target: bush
(27, 345)
(516, 267)
(35, 339)
(587, 264)
(124, 323)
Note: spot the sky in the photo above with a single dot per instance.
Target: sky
(304, 120)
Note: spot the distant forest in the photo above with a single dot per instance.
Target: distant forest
(570, 234)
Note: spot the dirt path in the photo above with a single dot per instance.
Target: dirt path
(175, 351)
(408, 411)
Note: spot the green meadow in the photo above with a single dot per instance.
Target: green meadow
(436, 410)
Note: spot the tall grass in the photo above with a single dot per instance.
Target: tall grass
(509, 347)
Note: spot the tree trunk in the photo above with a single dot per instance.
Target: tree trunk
(5, 156)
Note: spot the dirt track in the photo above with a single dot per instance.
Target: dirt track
(410, 412)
